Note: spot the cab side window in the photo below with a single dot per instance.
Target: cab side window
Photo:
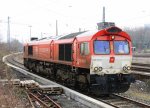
(84, 48)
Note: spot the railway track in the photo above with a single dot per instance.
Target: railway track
(146, 55)
(141, 67)
(41, 100)
(141, 62)
(119, 101)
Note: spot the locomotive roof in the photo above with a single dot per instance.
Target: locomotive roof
(72, 35)
(88, 34)
(78, 34)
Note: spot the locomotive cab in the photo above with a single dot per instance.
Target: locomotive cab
(111, 61)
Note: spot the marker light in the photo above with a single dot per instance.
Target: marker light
(112, 59)
(112, 37)
(128, 68)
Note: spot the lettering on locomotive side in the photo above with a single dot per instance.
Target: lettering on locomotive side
(43, 49)
(81, 61)
(97, 59)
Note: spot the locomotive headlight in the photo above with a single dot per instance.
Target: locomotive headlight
(128, 68)
(95, 69)
(98, 69)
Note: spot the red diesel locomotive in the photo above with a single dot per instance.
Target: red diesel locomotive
(99, 61)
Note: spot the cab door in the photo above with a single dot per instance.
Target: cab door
(83, 55)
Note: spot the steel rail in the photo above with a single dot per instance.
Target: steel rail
(51, 100)
(39, 100)
(143, 105)
(118, 101)
(30, 101)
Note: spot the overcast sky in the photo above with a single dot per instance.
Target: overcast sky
(71, 15)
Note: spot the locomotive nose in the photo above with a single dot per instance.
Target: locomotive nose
(110, 64)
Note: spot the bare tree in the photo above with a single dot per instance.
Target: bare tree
(0, 37)
(16, 45)
(140, 37)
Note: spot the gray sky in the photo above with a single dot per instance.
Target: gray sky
(71, 15)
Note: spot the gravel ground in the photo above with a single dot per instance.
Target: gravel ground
(10, 95)
(66, 102)
(139, 91)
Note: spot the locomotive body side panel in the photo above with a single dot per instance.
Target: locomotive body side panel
(35, 51)
(32, 50)
(44, 52)
(63, 51)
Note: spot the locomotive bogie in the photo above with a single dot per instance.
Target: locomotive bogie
(113, 83)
